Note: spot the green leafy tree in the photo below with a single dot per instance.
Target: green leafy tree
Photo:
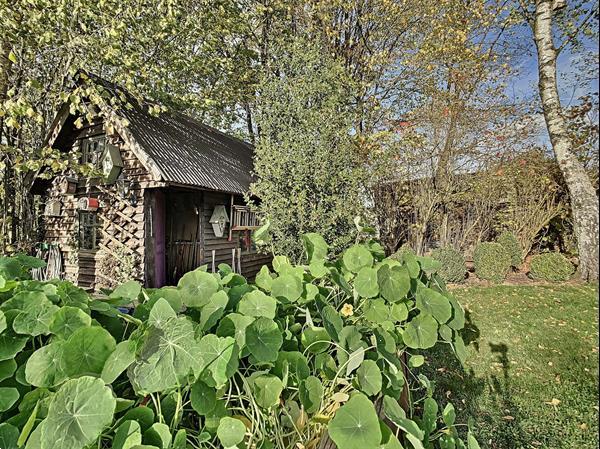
(307, 166)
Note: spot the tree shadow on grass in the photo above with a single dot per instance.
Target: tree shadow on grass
(486, 399)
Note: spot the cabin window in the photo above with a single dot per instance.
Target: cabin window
(244, 219)
(92, 149)
(88, 230)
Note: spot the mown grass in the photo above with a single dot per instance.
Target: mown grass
(531, 377)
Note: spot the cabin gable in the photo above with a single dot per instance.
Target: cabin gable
(99, 226)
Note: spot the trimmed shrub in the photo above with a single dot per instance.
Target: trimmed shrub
(512, 245)
(453, 264)
(492, 261)
(552, 267)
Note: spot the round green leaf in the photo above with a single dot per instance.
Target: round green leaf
(357, 257)
(355, 425)
(167, 357)
(161, 311)
(416, 360)
(315, 339)
(67, 320)
(219, 358)
(376, 311)
(267, 389)
(234, 325)
(294, 363)
(36, 315)
(263, 339)
(43, 368)
(86, 350)
(332, 321)
(170, 294)
(315, 245)
(212, 312)
(231, 431)
(318, 269)
(158, 435)
(434, 303)
(9, 435)
(197, 287)
(143, 415)
(203, 398)
(311, 394)
(366, 283)
(11, 344)
(8, 397)
(128, 434)
(399, 312)
(458, 315)
(264, 280)
(130, 290)
(7, 369)
(179, 442)
(421, 332)
(257, 304)
(287, 287)
(118, 361)
(78, 414)
(394, 282)
(369, 378)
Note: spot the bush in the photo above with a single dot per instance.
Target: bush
(508, 240)
(552, 267)
(453, 264)
(492, 261)
(223, 361)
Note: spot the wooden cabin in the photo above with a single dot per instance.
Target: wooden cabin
(167, 197)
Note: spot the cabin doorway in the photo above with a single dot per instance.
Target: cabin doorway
(184, 249)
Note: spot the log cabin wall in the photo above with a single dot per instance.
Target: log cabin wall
(120, 221)
(251, 261)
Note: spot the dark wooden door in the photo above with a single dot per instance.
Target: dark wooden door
(184, 234)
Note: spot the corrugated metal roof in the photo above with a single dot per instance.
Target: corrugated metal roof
(191, 153)
(186, 151)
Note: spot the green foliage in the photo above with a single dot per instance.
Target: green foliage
(509, 241)
(553, 267)
(308, 172)
(296, 351)
(453, 267)
(492, 261)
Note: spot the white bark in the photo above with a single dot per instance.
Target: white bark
(584, 202)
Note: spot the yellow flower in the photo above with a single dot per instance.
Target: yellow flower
(347, 310)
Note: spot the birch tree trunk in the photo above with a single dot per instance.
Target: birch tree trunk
(584, 202)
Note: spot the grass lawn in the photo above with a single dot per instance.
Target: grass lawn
(531, 377)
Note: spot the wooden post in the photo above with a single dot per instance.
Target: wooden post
(158, 228)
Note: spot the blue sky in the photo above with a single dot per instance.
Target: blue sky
(524, 84)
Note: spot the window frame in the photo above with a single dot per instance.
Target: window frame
(92, 227)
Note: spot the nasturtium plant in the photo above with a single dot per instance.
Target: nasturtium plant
(264, 339)
(256, 304)
(67, 320)
(311, 394)
(302, 353)
(356, 425)
(80, 411)
(231, 431)
(86, 350)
